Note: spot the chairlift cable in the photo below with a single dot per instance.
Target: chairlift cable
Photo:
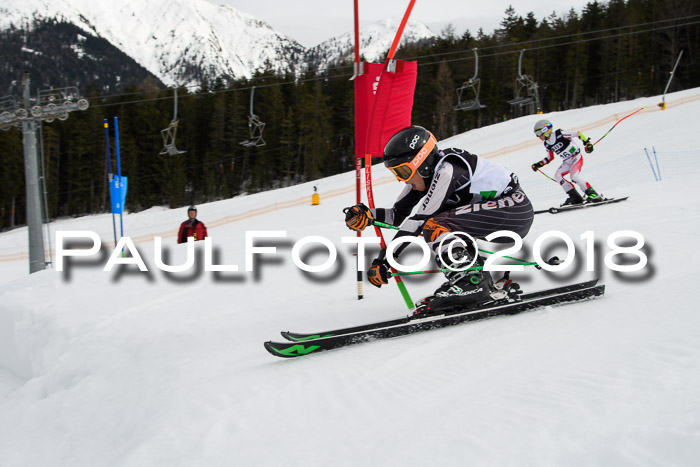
(320, 78)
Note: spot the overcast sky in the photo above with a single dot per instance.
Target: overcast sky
(312, 21)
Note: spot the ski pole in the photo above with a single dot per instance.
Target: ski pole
(540, 171)
(385, 226)
(524, 261)
(616, 123)
(432, 271)
(553, 261)
(435, 271)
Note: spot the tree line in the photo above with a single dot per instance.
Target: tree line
(608, 52)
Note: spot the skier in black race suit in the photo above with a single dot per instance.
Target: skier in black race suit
(455, 192)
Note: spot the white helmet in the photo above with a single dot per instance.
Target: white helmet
(543, 127)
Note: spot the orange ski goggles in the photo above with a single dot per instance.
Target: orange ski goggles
(406, 170)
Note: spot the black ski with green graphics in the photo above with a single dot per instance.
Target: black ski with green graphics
(303, 344)
(585, 205)
(297, 337)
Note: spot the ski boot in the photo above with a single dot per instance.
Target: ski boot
(463, 290)
(592, 196)
(573, 199)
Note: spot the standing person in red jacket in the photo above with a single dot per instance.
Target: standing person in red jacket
(192, 227)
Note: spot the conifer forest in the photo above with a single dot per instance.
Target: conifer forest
(608, 52)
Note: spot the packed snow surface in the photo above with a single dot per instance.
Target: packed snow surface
(131, 368)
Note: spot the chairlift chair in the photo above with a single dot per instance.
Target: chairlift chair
(169, 133)
(526, 94)
(470, 87)
(255, 127)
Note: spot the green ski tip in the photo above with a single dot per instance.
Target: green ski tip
(295, 350)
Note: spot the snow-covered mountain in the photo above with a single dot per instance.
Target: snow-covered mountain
(183, 41)
(179, 41)
(375, 40)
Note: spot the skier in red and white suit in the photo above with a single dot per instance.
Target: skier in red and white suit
(565, 145)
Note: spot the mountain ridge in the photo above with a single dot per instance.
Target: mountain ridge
(183, 42)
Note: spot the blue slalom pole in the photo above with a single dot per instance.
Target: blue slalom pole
(109, 175)
(656, 159)
(107, 151)
(651, 165)
(119, 170)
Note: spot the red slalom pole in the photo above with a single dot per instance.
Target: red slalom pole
(358, 160)
(357, 34)
(368, 155)
(399, 33)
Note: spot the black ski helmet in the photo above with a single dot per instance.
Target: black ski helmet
(191, 208)
(413, 149)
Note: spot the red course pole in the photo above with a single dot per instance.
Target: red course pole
(368, 156)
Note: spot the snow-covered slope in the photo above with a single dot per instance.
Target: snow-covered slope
(179, 41)
(375, 40)
(131, 368)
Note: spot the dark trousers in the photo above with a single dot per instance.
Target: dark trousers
(512, 212)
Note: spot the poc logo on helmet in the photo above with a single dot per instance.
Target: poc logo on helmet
(416, 138)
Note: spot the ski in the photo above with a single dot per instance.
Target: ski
(574, 207)
(296, 336)
(304, 344)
